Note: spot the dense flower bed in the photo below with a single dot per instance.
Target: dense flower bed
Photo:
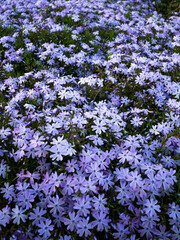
(90, 119)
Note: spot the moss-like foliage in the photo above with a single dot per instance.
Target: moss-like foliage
(167, 7)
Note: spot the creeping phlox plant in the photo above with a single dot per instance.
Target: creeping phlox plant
(90, 121)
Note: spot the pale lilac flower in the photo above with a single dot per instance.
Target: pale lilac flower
(5, 216)
(45, 228)
(174, 211)
(99, 202)
(32, 176)
(101, 221)
(41, 151)
(83, 207)
(136, 121)
(8, 67)
(56, 204)
(4, 169)
(26, 199)
(37, 216)
(121, 233)
(8, 191)
(99, 126)
(71, 221)
(84, 227)
(151, 207)
(176, 234)
(148, 232)
(18, 215)
(134, 179)
(162, 234)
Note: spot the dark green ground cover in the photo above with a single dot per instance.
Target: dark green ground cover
(167, 7)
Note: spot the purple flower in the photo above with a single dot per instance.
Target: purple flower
(18, 215)
(162, 234)
(122, 232)
(174, 211)
(4, 168)
(151, 207)
(90, 187)
(83, 227)
(134, 179)
(123, 192)
(71, 221)
(55, 180)
(56, 205)
(147, 231)
(99, 202)
(106, 182)
(95, 171)
(37, 215)
(25, 199)
(45, 228)
(83, 207)
(67, 186)
(149, 221)
(71, 166)
(101, 221)
(79, 183)
(163, 179)
(58, 219)
(8, 191)
(176, 234)
(5, 216)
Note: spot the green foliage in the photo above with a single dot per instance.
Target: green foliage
(167, 7)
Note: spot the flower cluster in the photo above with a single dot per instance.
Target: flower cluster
(90, 120)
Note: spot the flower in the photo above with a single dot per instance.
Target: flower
(82, 206)
(37, 140)
(99, 202)
(162, 234)
(37, 216)
(67, 186)
(18, 215)
(121, 231)
(83, 227)
(99, 126)
(56, 204)
(136, 121)
(134, 179)
(5, 216)
(4, 168)
(45, 228)
(61, 147)
(151, 207)
(101, 221)
(8, 67)
(71, 221)
(25, 199)
(8, 191)
(174, 211)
